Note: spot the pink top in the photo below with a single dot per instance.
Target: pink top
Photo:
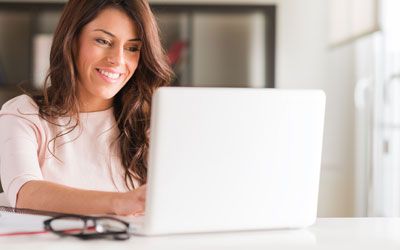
(88, 157)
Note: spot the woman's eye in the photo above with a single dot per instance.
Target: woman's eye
(103, 42)
(133, 49)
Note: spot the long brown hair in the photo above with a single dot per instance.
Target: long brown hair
(132, 103)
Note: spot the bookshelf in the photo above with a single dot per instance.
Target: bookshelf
(226, 45)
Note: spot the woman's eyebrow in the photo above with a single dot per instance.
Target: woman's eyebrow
(112, 35)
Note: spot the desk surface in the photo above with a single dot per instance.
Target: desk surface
(326, 233)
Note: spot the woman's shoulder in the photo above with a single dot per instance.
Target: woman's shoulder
(20, 105)
(20, 115)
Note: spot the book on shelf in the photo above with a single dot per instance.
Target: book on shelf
(41, 58)
(2, 74)
(176, 51)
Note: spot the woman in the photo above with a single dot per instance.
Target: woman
(81, 146)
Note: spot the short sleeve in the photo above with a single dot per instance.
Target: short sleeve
(18, 154)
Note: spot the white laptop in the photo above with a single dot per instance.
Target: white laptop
(233, 159)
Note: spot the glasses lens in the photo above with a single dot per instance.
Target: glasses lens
(69, 225)
(109, 225)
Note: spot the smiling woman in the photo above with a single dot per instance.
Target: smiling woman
(108, 55)
(81, 145)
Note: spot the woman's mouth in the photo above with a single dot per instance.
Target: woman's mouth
(113, 76)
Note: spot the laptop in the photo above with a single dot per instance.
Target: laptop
(232, 159)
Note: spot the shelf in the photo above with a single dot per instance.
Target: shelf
(210, 36)
(163, 2)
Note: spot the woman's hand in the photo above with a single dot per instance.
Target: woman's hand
(131, 203)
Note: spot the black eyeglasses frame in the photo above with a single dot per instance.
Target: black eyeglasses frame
(82, 233)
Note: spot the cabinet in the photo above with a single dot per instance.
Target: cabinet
(226, 45)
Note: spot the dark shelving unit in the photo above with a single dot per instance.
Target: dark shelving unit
(33, 12)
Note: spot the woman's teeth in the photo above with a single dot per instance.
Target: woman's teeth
(109, 74)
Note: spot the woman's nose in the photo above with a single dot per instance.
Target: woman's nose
(116, 56)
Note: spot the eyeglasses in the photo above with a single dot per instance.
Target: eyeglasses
(88, 227)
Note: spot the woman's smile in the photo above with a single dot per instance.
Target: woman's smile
(110, 76)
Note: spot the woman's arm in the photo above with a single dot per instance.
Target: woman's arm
(48, 196)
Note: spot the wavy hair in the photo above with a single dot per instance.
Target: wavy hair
(132, 103)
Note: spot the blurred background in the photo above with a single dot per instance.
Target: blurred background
(348, 48)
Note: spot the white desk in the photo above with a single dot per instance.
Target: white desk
(332, 233)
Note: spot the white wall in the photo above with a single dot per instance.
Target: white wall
(305, 61)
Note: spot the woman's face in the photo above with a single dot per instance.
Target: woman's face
(108, 55)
